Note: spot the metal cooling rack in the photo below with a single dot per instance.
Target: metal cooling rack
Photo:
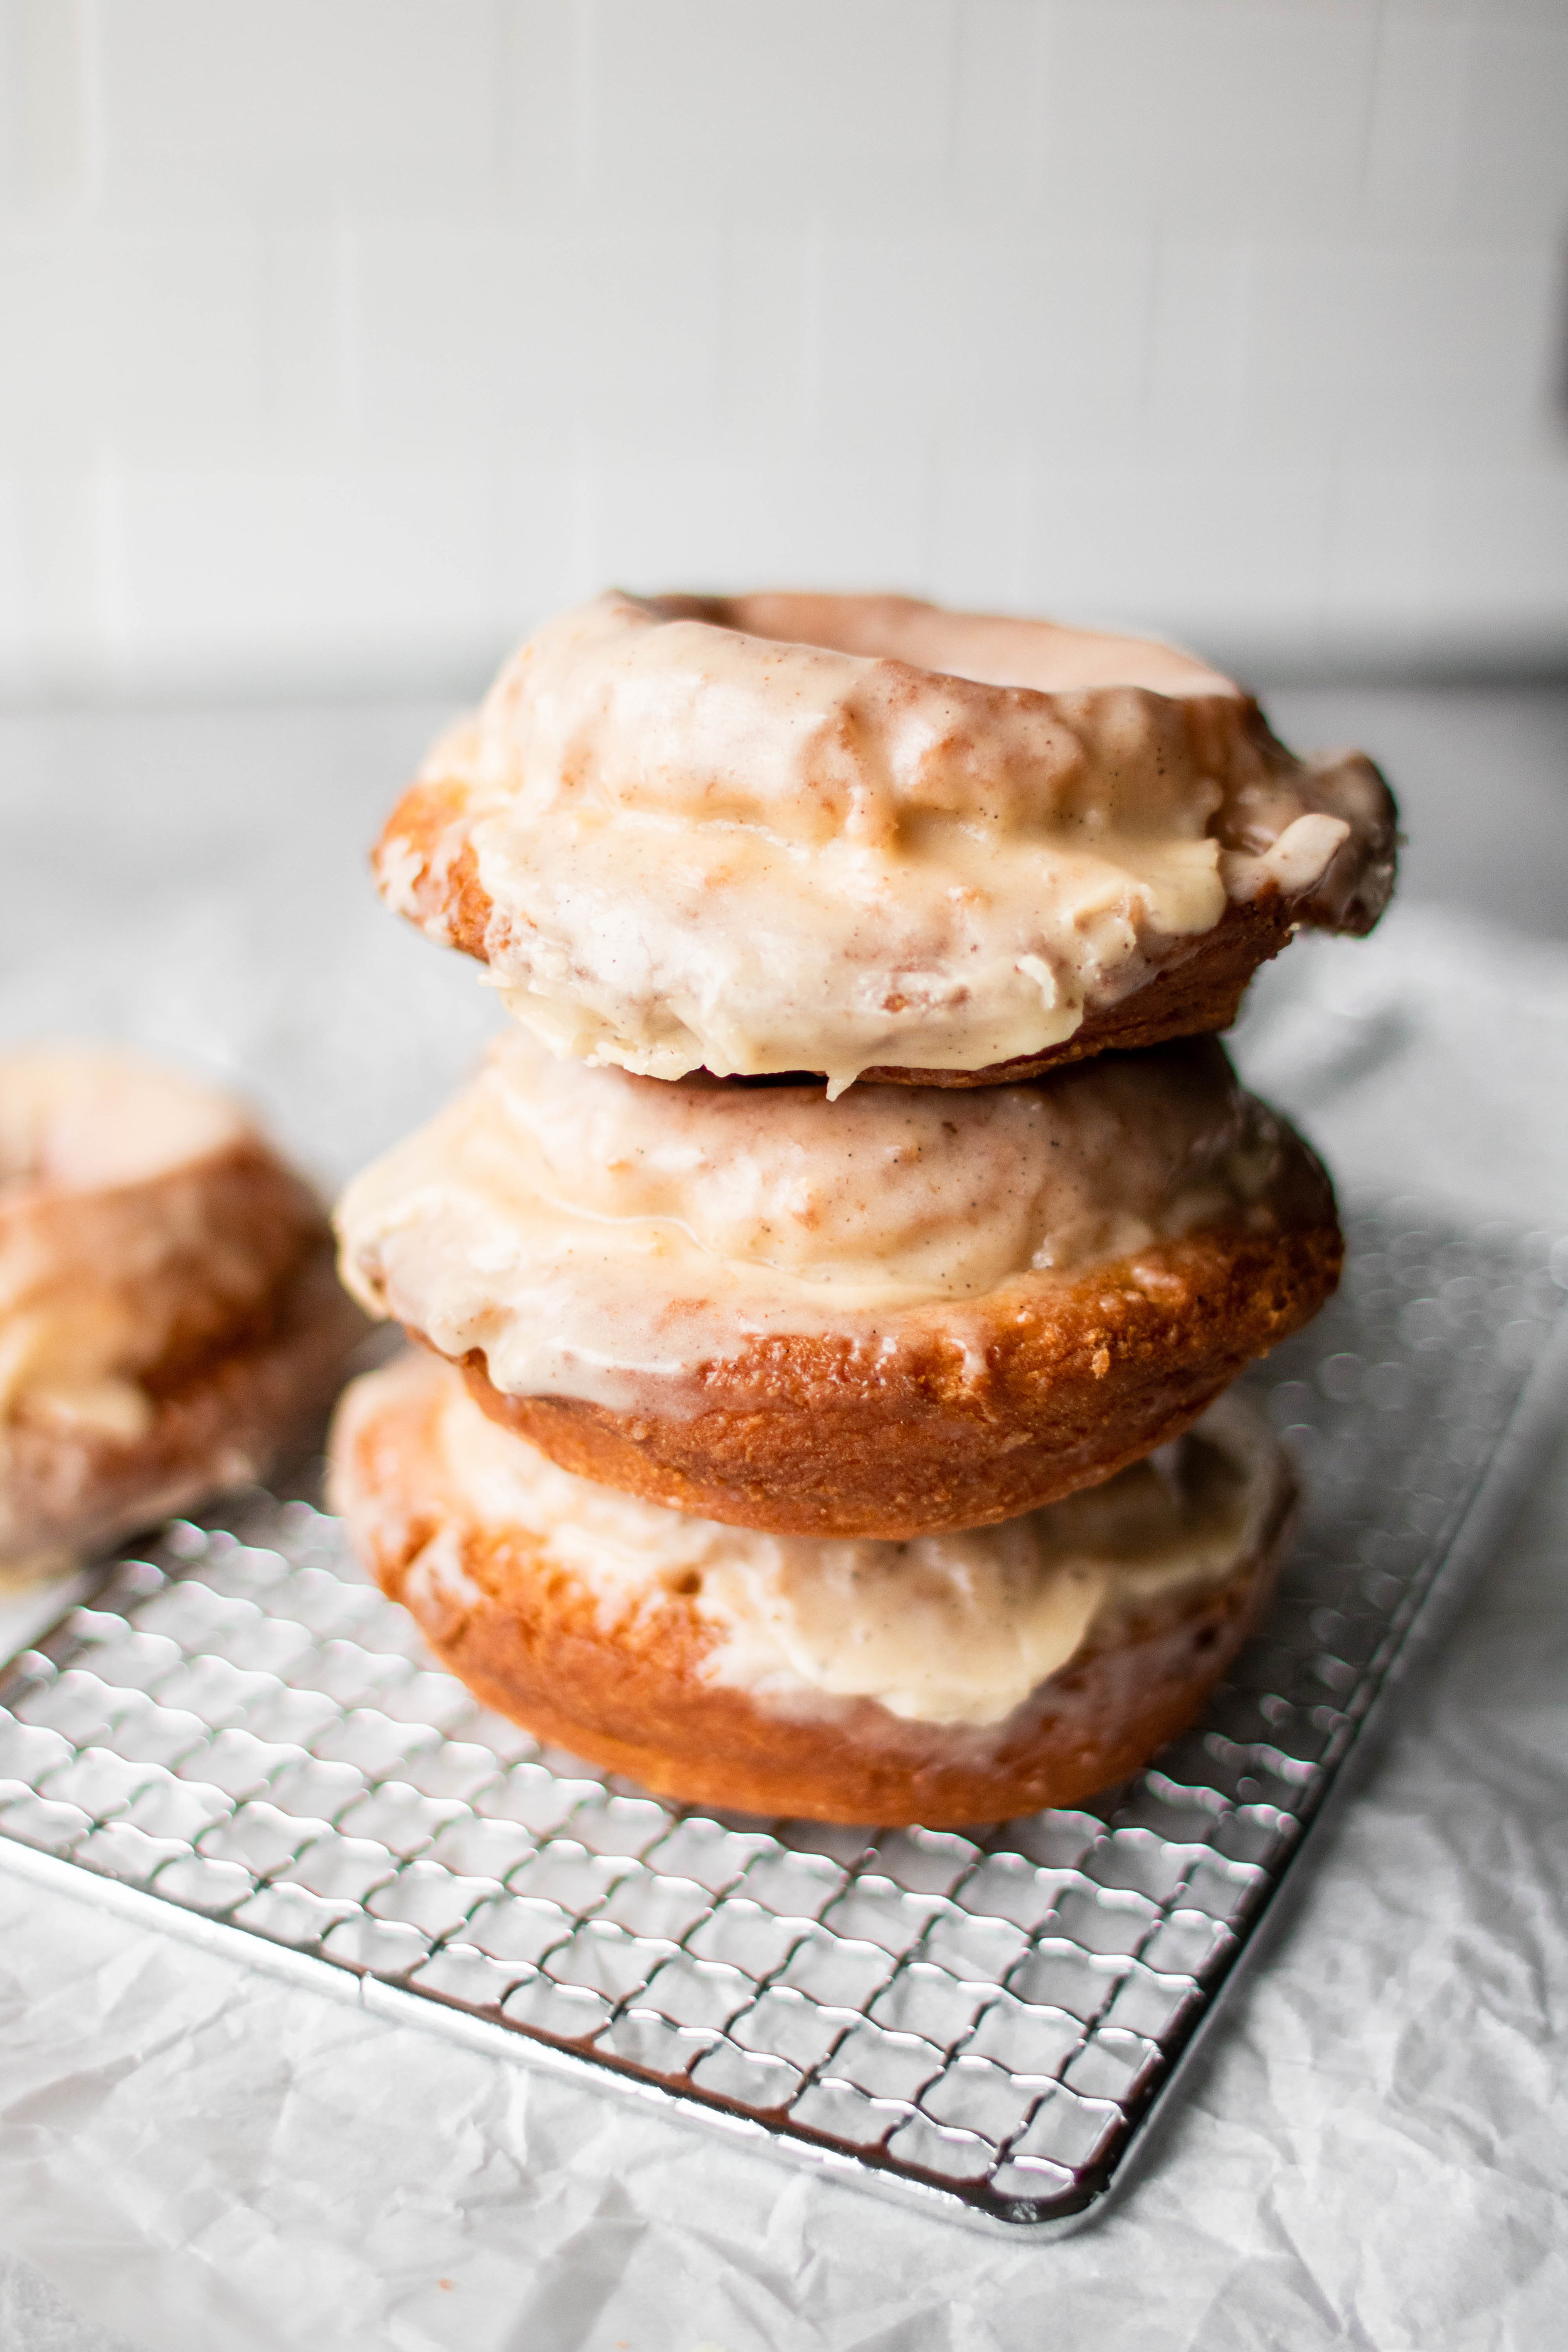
(238, 1735)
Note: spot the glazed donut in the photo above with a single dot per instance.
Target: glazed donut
(958, 1678)
(862, 836)
(168, 1310)
(907, 1311)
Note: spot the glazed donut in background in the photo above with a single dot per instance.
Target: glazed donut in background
(907, 1311)
(863, 836)
(959, 1678)
(168, 1310)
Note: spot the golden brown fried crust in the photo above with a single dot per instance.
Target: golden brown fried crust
(223, 1413)
(1198, 991)
(809, 1435)
(446, 895)
(525, 1637)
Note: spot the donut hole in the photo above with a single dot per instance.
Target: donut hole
(709, 1081)
(1184, 1491)
(987, 648)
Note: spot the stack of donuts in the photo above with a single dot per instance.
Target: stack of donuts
(830, 1290)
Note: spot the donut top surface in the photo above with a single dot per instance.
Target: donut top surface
(84, 1119)
(953, 1629)
(123, 1193)
(592, 1231)
(811, 833)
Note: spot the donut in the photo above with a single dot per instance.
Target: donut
(957, 1679)
(169, 1308)
(906, 1311)
(860, 836)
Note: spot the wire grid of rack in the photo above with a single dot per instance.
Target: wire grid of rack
(239, 1735)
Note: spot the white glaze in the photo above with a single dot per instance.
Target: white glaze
(711, 848)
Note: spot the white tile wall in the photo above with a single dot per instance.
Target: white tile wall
(340, 339)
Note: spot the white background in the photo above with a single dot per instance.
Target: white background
(342, 339)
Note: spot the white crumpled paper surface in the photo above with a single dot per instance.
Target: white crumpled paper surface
(1372, 2150)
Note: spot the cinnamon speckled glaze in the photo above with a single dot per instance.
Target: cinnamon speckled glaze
(903, 1312)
